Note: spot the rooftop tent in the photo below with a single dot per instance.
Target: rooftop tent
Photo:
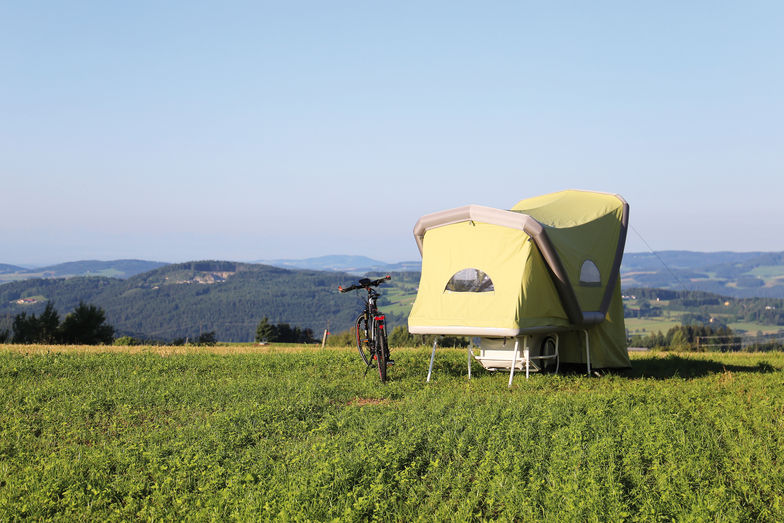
(548, 265)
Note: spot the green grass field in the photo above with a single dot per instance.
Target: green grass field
(651, 325)
(768, 272)
(662, 324)
(258, 433)
(752, 328)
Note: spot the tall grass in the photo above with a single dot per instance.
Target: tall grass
(292, 433)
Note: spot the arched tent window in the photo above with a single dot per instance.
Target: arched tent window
(589, 274)
(470, 280)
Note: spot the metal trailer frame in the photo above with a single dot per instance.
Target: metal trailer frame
(526, 361)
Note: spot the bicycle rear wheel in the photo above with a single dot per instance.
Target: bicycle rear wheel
(363, 341)
(381, 350)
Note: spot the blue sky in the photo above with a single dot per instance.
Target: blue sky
(175, 131)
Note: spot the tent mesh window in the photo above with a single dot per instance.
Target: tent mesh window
(470, 280)
(589, 274)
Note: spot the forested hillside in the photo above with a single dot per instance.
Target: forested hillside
(184, 300)
(31, 295)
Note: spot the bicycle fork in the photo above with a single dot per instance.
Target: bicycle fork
(380, 322)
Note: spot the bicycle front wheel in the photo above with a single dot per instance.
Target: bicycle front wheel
(363, 341)
(381, 350)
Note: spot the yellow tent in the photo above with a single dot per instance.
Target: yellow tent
(546, 270)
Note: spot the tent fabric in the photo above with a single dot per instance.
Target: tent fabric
(584, 225)
(554, 262)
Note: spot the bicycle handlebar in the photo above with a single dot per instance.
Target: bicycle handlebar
(365, 283)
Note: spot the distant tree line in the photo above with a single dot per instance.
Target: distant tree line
(691, 338)
(399, 337)
(203, 339)
(86, 325)
(282, 333)
(645, 310)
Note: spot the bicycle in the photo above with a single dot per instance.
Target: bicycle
(371, 332)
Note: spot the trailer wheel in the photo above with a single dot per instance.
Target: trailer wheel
(548, 348)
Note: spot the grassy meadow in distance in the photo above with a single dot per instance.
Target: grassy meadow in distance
(245, 432)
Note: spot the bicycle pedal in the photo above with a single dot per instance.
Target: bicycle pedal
(390, 362)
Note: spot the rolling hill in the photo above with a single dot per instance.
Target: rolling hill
(345, 263)
(10, 269)
(184, 300)
(112, 269)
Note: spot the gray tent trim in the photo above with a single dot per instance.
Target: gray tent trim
(616, 268)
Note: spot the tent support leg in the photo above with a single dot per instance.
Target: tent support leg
(432, 357)
(587, 351)
(514, 362)
(469, 359)
(526, 357)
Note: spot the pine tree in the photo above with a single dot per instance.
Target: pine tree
(265, 331)
(25, 328)
(679, 341)
(48, 325)
(85, 326)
